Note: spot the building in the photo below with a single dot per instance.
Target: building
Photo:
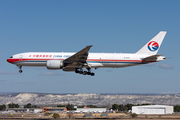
(92, 110)
(37, 110)
(25, 110)
(153, 109)
(53, 109)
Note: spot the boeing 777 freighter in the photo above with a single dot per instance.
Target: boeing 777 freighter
(68, 61)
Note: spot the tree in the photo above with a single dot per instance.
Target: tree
(70, 106)
(12, 105)
(91, 106)
(125, 108)
(177, 108)
(121, 107)
(129, 106)
(28, 105)
(134, 115)
(35, 106)
(55, 115)
(115, 106)
(145, 104)
(2, 107)
(60, 105)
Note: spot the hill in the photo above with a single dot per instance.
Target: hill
(88, 99)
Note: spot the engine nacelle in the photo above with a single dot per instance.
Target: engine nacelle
(54, 64)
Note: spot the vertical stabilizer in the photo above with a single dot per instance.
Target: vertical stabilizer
(152, 47)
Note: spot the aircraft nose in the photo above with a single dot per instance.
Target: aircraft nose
(8, 60)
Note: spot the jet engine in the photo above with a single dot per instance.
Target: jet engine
(54, 64)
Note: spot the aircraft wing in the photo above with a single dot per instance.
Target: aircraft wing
(79, 57)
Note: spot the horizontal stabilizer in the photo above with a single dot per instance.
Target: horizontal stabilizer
(151, 57)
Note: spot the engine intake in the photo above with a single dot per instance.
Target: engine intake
(54, 64)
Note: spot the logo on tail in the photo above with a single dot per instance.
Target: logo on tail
(153, 46)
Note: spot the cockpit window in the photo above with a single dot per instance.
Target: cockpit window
(11, 57)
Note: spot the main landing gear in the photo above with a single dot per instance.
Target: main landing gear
(80, 71)
(20, 67)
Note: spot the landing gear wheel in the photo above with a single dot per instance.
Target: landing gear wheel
(92, 74)
(85, 72)
(80, 72)
(88, 73)
(20, 71)
(76, 71)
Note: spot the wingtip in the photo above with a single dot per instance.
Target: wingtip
(164, 31)
(90, 46)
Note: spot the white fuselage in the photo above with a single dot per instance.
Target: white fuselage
(94, 60)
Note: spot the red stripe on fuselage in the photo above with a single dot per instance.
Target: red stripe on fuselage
(13, 60)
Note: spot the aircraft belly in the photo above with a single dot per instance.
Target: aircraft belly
(31, 64)
(69, 69)
(117, 65)
(95, 65)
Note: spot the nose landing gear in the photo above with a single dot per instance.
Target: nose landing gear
(20, 67)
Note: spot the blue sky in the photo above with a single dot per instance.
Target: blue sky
(110, 26)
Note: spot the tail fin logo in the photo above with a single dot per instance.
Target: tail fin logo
(153, 46)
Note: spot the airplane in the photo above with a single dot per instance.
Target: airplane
(77, 62)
